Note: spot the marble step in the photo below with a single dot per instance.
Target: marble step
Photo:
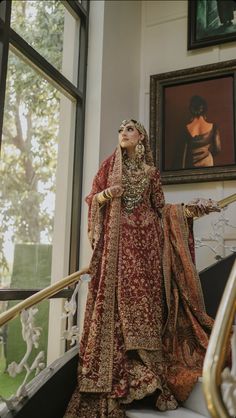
(193, 407)
(177, 413)
(196, 401)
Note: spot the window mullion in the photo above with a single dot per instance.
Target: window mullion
(39, 63)
(5, 16)
(78, 155)
(76, 9)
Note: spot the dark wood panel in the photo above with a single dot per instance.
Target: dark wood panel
(213, 280)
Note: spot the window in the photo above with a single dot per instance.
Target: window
(43, 53)
(31, 144)
(51, 30)
(43, 48)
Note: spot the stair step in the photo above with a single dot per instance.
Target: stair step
(193, 407)
(177, 413)
(196, 401)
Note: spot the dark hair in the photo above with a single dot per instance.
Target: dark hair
(198, 106)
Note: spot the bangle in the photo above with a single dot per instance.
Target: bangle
(101, 199)
(107, 194)
(188, 212)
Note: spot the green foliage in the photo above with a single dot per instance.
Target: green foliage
(47, 20)
(32, 265)
(30, 129)
(9, 385)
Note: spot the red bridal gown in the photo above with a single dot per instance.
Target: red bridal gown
(127, 350)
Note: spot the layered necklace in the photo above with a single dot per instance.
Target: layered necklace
(134, 182)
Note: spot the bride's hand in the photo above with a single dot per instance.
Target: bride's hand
(116, 191)
(203, 206)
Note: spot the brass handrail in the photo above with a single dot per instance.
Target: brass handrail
(218, 348)
(45, 293)
(227, 200)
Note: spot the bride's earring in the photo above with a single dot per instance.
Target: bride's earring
(140, 150)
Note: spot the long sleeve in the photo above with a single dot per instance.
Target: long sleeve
(157, 195)
(95, 215)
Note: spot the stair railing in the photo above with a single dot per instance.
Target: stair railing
(41, 295)
(31, 333)
(227, 200)
(215, 240)
(220, 386)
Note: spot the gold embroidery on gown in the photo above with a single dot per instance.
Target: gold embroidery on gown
(144, 332)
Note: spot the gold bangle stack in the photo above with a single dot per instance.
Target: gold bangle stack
(104, 196)
(107, 194)
(188, 212)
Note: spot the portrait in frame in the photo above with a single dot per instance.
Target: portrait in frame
(185, 150)
(211, 22)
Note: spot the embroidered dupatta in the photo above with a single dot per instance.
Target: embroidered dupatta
(103, 229)
(188, 327)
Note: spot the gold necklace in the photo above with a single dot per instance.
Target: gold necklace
(134, 182)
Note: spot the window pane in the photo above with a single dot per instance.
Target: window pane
(34, 118)
(50, 29)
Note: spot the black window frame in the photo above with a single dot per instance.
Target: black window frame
(78, 92)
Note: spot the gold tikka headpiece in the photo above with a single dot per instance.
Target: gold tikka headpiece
(137, 125)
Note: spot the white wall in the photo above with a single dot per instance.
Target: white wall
(164, 49)
(92, 115)
(121, 69)
(128, 42)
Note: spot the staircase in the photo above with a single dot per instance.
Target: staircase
(50, 391)
(56, 383)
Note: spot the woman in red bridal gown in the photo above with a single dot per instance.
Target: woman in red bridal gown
(145, 330)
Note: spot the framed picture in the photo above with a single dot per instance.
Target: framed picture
(211, 22)
(192, 123)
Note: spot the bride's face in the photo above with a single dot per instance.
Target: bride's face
(129, 136)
